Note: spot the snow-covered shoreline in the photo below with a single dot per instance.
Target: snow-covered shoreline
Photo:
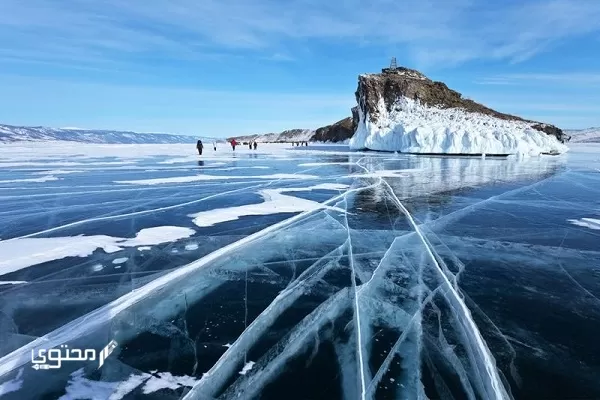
(412, 127)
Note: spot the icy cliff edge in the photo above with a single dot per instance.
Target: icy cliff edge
(401, 113)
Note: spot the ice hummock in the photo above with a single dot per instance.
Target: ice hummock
(411, 127)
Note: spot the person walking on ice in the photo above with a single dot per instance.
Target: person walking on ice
(215, 146)
(255, 145)
(233, 144)
(199, 146)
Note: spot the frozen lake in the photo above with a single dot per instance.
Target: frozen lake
(298, 273)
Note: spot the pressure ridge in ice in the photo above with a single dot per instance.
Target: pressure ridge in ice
(411, 127)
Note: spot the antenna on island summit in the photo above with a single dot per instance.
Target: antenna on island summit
(393, 65)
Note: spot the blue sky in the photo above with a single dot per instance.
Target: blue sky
(228, 67)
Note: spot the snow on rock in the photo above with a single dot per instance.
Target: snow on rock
(412, 127)
(120, 260)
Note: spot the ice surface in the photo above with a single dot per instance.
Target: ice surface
(411, 127)
(380, 276)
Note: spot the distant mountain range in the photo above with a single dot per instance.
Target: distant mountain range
(589, 135)
(9, 133)
(291, 135)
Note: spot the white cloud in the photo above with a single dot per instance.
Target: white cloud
(435, 32)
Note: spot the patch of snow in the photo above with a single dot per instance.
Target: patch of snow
(275, 202)
(58, 172)
(12, 282)
(191, 246)
(247, 367)
(590, 223)
(80, 387)
(13, 385)
(197, 178)
(411, 127)
(144, 248)
(46, 178)
(97, 267)
(120, 260)
(157, 235)
(319, 164)
(165, 380)
(17, 252)
(125, 387)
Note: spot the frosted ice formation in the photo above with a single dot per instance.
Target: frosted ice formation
(411, 127)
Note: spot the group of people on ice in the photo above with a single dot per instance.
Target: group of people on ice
(299, 144)
(233, 142)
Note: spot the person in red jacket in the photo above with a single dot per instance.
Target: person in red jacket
(233, 144)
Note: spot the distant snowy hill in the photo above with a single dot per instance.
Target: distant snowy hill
(9, 133)
(589, 135)
(291, 135)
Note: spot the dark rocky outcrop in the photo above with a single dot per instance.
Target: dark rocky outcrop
(338, 132)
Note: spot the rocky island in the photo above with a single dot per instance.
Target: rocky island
(402, 110)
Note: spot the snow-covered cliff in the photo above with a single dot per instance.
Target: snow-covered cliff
(407, 112)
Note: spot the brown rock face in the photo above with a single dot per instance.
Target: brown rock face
(337, 132)
(390, 85)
